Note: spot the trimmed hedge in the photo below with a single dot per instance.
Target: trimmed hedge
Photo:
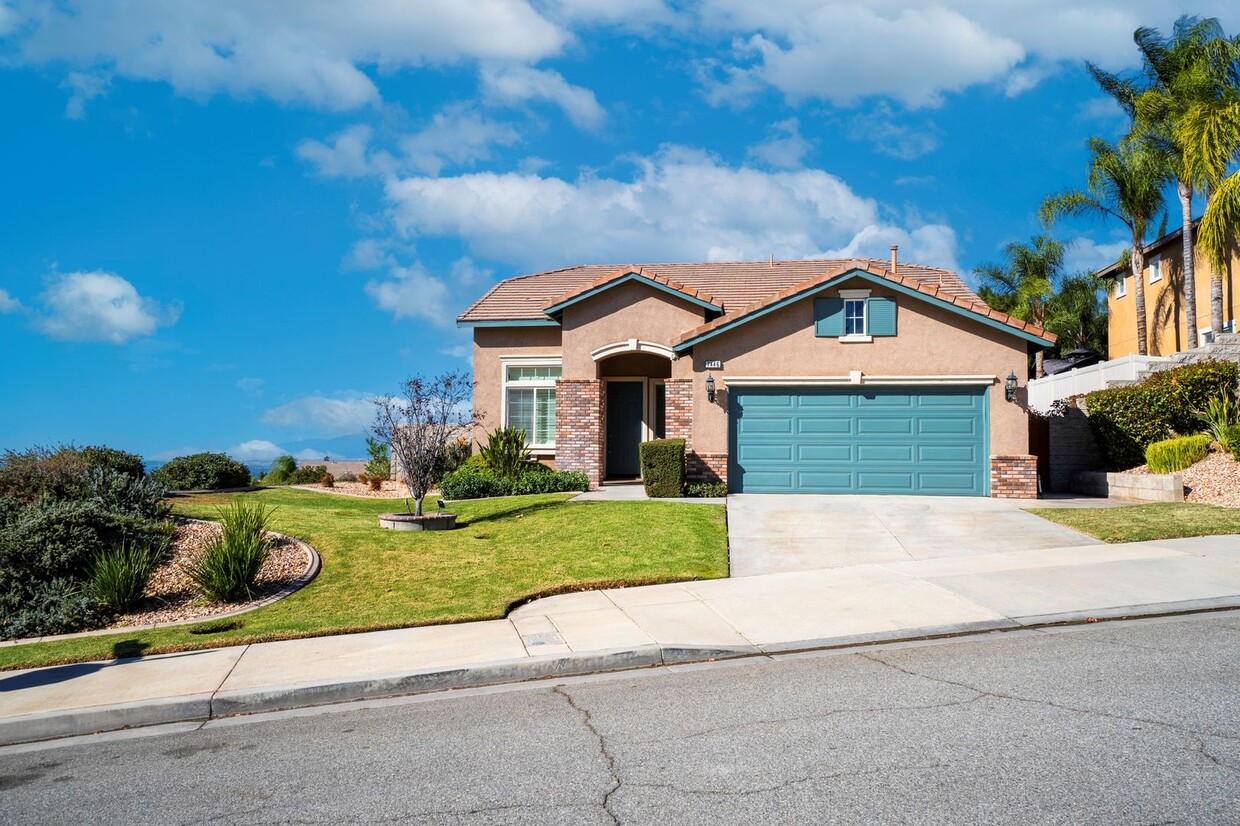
(469, 482)
(663, 467)
(1126, 420)
(1174, 455)
(202, 471)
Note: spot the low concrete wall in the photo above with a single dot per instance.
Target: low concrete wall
(1136, 487)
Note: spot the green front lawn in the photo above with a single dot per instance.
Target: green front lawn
(1140, 523)
(504, 552)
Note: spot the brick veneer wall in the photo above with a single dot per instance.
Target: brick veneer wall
(707, 467)
(579, 427)
(678, 417)
(1014, 477)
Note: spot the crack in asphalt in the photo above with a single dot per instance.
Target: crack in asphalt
(811, 778)
(1204, 751)
(1048, 703)
(588, 722)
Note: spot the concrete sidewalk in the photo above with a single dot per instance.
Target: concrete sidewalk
(629, 628)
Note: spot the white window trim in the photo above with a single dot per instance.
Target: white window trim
(1205, 337)
(857, 377)
(528, 361)
(1121, 286)
(855, 294)
(1155, 264)
(855, 338)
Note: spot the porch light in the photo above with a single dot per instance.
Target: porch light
(1009, 387)
(710, 388)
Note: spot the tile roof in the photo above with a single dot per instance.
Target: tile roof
(621, 272)
(969, 301)
(735, 285)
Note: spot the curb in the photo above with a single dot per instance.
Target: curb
(210, 706)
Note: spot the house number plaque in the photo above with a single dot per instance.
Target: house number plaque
(714, 365)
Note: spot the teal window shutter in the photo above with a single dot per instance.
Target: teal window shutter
(882, 316)
(828, 317)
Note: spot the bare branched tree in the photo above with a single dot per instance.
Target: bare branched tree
(421, 423)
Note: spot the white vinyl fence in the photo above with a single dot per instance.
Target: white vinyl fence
(1045, 392)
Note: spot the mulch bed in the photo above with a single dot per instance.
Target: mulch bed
(170, 594)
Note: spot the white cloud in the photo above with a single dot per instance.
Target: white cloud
(1087, 255)
(635, 15)
(785, 149)
(881, 130)
(458, 136)
(82, 87)
(309, 52)
(412, 292)
(349, 413)
(8, 304)
(518, 85)
(100, 306)
(346, 155)
(916, 52)
(681, 205)
(251, 386)
(256, 450)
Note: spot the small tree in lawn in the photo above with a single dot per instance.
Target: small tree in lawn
(420, 423)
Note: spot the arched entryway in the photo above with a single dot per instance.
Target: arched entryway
(634, 402)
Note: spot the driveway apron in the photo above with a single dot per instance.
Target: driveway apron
(775, 533)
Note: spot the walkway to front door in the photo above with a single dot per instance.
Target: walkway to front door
(624, 428)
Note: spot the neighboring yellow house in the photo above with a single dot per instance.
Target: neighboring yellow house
(1164, 300)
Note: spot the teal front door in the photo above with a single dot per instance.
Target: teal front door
(624, 428)
(927, 440)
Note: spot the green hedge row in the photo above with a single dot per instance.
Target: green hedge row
(1174, 455)
(203, 471)
(473, 482)
(663, 467)
(1127, 420)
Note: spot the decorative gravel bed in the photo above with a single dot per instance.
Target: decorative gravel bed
(1215, 480)
(391, 490)
(170, 595)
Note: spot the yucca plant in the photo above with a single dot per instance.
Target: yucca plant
(226, 569)
(1219, 415)
(506, 454)
(121, 574)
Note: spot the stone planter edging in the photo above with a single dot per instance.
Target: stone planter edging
(1136, 487)
(433, 521)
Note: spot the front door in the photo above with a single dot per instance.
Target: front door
(624, 428)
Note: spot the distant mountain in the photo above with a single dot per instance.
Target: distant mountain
(338, 449)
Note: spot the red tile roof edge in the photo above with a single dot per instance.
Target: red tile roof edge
(617, 274)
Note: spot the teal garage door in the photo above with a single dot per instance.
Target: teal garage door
(911, 440)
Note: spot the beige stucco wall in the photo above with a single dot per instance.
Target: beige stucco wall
(491, 344)
(628, 311)
(929, 341)
(1166, 324)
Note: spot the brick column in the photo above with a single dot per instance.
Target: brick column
(678, 418)
(579, 427)
(708, 467)
(1014, 477)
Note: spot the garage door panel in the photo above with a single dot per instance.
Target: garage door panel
(910, 440)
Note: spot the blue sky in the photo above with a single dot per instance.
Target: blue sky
(227, 223)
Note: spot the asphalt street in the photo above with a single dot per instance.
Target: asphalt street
(1125, 723)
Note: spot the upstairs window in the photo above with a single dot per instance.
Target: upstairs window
(1121, 287)
(1156, 269)
(854, 317)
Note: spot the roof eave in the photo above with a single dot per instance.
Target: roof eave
(507, 322)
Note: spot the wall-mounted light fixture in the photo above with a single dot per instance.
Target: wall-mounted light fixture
(1009, 387)
(710, 388)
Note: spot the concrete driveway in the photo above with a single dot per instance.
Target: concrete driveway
(777, 533)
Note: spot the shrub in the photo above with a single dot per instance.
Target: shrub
(663, 467)
(119, 461)
(506, 454)
(327, 480)
(457, 453)
(60, 473)
(474, 483)
(1219, 415)
(707, 490)
(307, 475)
(372, 482)
(120, 575)
(226, 569)
(59, 606)
(281, 469)
(380, 463)
(119, 491)
(1174, 455)
(202, 471)
(347, 476)
(1233, 441)
(1128, 419)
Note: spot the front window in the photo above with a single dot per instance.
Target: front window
(529, 391)
(1155, 270)
(1121, 287)
(854, 317)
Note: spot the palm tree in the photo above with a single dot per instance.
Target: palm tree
(1024, 284)
(1185, 70)
(1125, 182)
(1077, 314)
(1209, 131)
